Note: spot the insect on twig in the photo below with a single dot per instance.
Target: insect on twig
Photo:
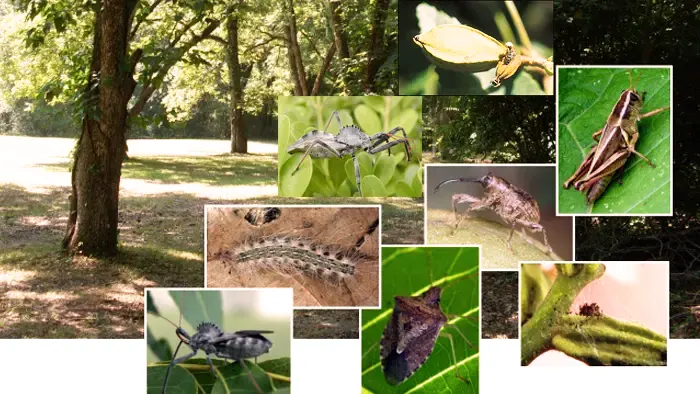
(513, 204)
(615, 143)
(350, 140)
(236, 346)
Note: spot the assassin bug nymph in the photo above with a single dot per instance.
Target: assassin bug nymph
(350, 140)
(236, 346)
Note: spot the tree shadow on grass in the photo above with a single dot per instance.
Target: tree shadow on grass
(326, 324)
(218, 170)
(46, 293)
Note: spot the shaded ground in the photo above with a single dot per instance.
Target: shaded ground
(499, 304)
(326, 324)
(47, 294)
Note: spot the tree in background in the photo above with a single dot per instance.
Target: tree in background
(490, 129)
(121, 33)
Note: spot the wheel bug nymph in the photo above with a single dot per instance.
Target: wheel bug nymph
(236, 346)
(350, 140)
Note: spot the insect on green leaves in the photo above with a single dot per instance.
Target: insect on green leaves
(417, 337)
(627, 135)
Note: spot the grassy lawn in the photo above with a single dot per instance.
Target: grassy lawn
(45, 293)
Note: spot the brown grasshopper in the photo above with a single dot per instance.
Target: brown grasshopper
(513, 204)
(615, 143)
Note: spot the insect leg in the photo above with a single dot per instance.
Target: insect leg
(616, 161)
(250, 375)
(460, 198)
(388, 145)
(357, 173)
(536, 227)
(630, 148)
(384, 137)
(511, 236)
(454, 355)
(211, 365)
(340, 124)
(652, 113)
(583, 168)
(308, 150)
(176, 361)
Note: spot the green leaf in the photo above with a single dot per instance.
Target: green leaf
(455, 270)
(586, 98)
(367, 119)
(201, 306)
(403, 189)
(180, 379)
(294, 185)
(384, 169)
(372, 187)
(237, 380)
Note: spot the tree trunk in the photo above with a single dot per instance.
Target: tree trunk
(322, 71)
(239, 139)
(296, 51)
(341, 43)
(92, 226)
(376, 51)
(298, 91)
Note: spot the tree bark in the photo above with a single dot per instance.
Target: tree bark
(296, 51)
(298, 91)
(322, 71)
(100, 150)
(92, 226)
(376, 51)
(341, 42)
(239, 139)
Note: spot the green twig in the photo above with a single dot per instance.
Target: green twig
(595, 340)
(537, 333)
(519, 26)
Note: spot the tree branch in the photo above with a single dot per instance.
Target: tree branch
(155, 82)
(133, 32)
(323, 69)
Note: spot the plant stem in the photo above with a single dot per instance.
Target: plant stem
(519, 26)
(537, 333)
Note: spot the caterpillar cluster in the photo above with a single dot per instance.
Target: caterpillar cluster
(290, 256)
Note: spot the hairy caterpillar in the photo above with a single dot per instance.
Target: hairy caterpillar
(290, 256)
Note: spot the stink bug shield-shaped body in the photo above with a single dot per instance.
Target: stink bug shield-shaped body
(513, 204)
(615, 143)
(350, 140)
(410, 336)
(422, 331)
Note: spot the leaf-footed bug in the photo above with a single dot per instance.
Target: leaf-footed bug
(416, 320)
(236, 346)
(513, 204)
(350, 140)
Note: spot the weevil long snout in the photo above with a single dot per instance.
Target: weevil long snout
(478, 180)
